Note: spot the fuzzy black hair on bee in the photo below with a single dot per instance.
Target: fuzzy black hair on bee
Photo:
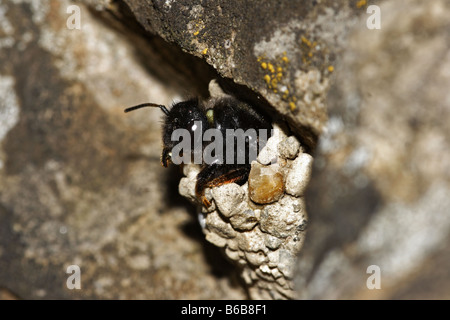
(221, 114)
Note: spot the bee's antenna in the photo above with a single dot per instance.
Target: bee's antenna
(163, 108)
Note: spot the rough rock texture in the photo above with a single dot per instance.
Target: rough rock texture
(80, 181)
(380, 187)
(284, 51)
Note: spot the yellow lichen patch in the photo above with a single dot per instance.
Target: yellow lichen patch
(308, 48)
(361, 3)
(198, 26)
(276, 77)
(330, 68)
(285, 92)
(306, 41)
(274, 83)
(205, 51)
(292, 106)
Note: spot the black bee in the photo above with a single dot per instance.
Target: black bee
(221, 114)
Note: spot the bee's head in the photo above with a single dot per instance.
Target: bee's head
(187, 115)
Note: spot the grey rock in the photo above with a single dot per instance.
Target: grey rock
(255, 258)
(232, 254)
(276, 273)
(229, 199)
(279, 220)
(216, 240)
(289, 148)
(286, 263)
(272, 242)
(274, 258)
(269, 154)
(286, 54)
(264, 275)
(186, 188)
(215, 224)
(252, 241)
(298, 176)
(380, 185)
(245, 220)
(80, 181)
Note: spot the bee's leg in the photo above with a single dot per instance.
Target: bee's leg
(216, 175)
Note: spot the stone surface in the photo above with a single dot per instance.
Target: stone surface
(80, 181)
(298, 178)
(289, 148)
(380, 187)
(279, 219)
(245, 220)
(269, 154)
(228, 198)
(283, 50)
